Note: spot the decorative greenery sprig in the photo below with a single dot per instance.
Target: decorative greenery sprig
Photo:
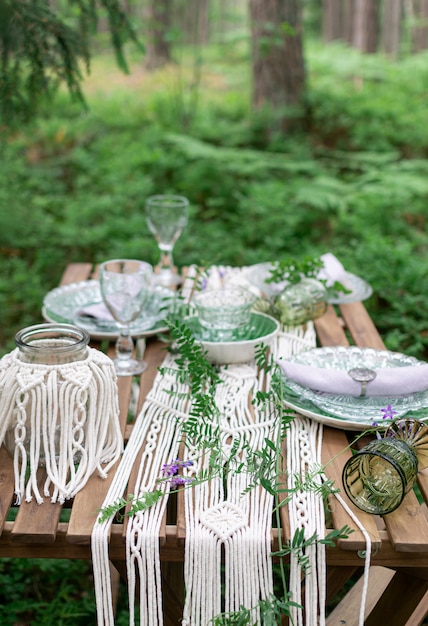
(292, 271)
(144, 501)
(202, 378)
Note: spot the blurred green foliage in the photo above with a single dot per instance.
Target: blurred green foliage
(73, 184)
(52, 592)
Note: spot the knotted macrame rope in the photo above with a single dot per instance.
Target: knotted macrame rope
(63, 416)
(306, 513)
(156, 435)
(226, 515)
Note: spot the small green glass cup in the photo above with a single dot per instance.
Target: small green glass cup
(379, 475)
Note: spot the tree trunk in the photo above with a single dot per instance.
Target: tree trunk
(365, 25)
(203, 30)
(277, 53)
(419, 32)
(347, 20)
(331, 20)
(157, 25)
(391, 27)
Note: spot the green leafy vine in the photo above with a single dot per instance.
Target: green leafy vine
(264, 466)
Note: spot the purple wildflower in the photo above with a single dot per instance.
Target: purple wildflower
(171, 469)
(176, 481)
(388, 413)
(170, 472)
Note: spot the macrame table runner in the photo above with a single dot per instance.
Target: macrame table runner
(225, 516)
(65, 416)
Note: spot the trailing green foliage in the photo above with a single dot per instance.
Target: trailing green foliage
(40, 48)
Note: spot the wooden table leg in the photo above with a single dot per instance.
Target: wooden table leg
(337, 577)
(400, 600)
(172, 592)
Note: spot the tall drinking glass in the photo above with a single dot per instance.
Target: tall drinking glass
(167, 216)
(125, 287)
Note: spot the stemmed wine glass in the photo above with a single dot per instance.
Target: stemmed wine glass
(125, 288)
(167, 216)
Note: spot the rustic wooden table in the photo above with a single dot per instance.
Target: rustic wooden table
(398, 590)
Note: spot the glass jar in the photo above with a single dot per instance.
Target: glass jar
(43, 345)
(379, 475)
(52, 344)
(299, 303)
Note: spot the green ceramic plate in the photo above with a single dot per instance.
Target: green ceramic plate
(63, 304)
(262, 329)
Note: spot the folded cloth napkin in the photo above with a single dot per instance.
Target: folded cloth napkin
(332, 271)
(389, 381)
(97, 311)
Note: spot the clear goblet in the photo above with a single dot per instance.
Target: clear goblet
(125, 287)
(167, 216)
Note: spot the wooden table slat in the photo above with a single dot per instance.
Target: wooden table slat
(86, 506)
(7, 485)
(334, 455)
(124, 388)
(37, 523)
(75, 272)
(330, 331)
(154, 355)
(407, 526)
(399, 601)
(361, 327)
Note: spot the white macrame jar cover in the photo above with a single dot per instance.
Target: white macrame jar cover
(59, 409)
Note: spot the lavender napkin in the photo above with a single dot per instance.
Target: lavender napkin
(389, 381)
(332, 270)
(97, 311)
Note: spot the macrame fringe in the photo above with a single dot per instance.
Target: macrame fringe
(156, 435)
(64, 417)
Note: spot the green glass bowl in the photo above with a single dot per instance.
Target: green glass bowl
(240, 348)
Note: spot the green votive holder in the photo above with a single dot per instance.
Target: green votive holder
(299, 303)
(378, 476)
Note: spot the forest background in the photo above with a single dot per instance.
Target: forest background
(294, 128)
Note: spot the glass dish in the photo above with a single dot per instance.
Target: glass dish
(361, 411)
(308, 409)
(359, 289)
(63, 303)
